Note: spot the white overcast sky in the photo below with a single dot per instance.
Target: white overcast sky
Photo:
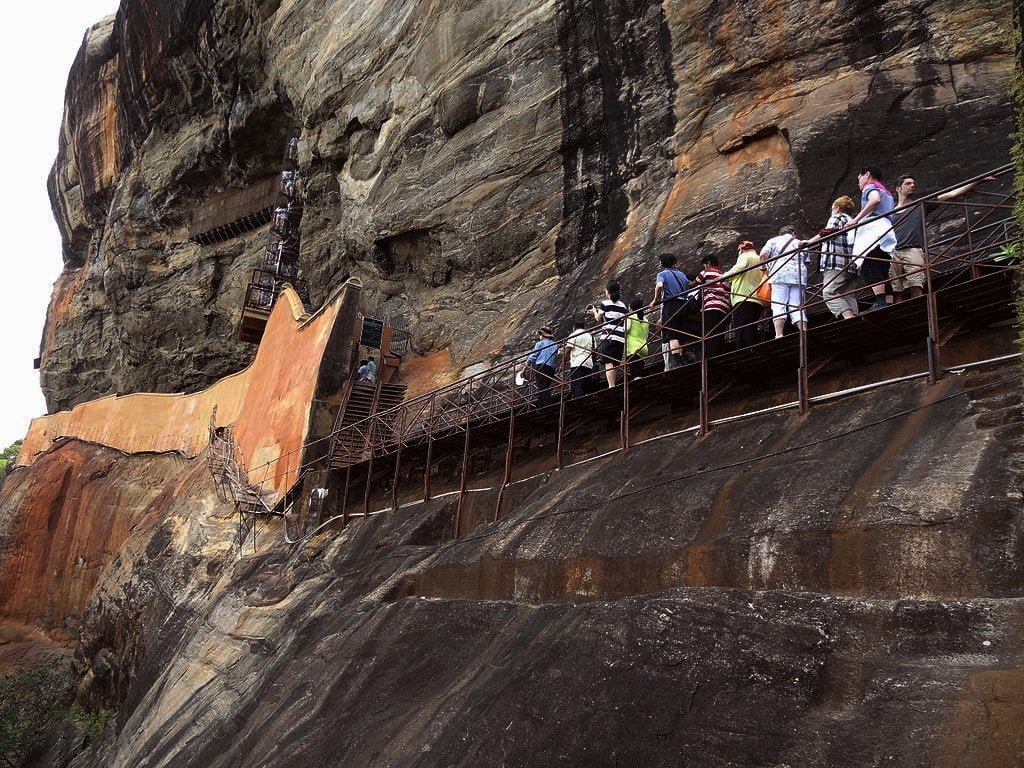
(38, 41)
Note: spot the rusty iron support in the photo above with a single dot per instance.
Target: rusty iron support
(949, 330)
(394, 483)
(426, 469)
(510, 454)
(801, 383)
(624, 422)
(369, 474)
(464, 479)
(702, 404)
(344, 497)
(932, 342)
(430, 448)
(560, 447)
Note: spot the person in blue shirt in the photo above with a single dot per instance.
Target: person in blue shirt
(367, 371)
(670, 293)
(543, 361)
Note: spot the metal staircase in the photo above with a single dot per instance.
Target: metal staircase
(230, 477)
(363, 401)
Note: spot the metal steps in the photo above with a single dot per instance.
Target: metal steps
(364, 400)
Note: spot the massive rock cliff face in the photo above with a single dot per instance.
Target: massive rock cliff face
(482, 165)
(868, 615)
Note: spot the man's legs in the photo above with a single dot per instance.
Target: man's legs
(745, 317)
(715, 327)
(834, 283)
(875, 271)
(673, 348)
(797, 315)
(780, 307)
(577, 379)
(609, 374)
(911, 264)
(671, 320)
(544, 376)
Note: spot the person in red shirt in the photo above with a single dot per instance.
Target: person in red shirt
(714, 292)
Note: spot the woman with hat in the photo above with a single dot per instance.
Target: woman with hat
(543, 361)
(746, 306)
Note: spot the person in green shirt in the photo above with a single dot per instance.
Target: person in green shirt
(746, 276)
(637, 330)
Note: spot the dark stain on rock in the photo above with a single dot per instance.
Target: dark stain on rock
(616, 100)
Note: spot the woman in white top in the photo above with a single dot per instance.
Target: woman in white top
(580, 349)
(786, 265)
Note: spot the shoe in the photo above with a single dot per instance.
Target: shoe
(877, 305)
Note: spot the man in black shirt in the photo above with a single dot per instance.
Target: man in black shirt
(907, 270)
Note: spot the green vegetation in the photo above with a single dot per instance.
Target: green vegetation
(10, 453)
(92, 723)
(1008, 254)
(32, 701)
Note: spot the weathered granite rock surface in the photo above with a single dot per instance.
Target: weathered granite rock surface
(870, 615)
(481, 165)
(62, 525)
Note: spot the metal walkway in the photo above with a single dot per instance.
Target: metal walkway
(970, 269)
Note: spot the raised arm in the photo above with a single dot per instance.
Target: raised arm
(659, 291)
(953, 194)
(874, 198)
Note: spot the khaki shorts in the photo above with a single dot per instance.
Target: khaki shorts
(906, 270)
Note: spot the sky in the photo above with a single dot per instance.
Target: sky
(38, 43)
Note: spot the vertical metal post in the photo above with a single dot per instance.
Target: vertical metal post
(975, 269)
(394, 484)
(801, 380)
(931, 304)
(705, 422)
(465, 477)
(561, 422)
(369, 474)
(430, 449)
(509, 452)
(344, 497)
(624, 420)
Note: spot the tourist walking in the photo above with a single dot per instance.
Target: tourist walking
(367, 372)
(908, 260)
(838, 271)
(874, 241)
(786, 266)
(579, 348)
(714, 298)
(610, 312)
(746, 276)
(637, 330)
(543, 362)
(670, 294)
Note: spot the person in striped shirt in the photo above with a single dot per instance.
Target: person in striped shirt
(714, 304)
(611, 313)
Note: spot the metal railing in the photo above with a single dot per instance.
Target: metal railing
(967, 235)
(965, 238)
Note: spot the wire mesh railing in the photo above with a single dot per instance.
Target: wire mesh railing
(966, 237)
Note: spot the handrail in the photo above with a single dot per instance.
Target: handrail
(460, 395)
(491, 396)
